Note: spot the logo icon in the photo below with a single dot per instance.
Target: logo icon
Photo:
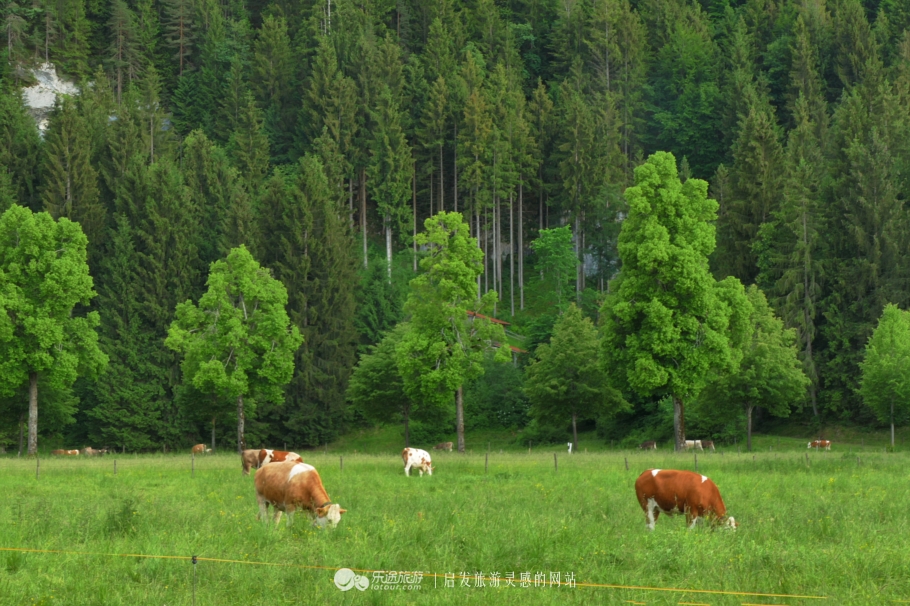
(346, 578)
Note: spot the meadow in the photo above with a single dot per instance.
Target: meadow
(833, 531)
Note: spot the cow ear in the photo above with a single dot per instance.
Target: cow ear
(342, 511)
(321, 511)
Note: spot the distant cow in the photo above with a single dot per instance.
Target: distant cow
(267, 455)
(200, 449)
(708, 445)
(92, 452)
(443, 446)
(414, 457)
(249, 459)
(826, 444)
(670, 491)
(690, 444)
(569, 444)
(648, 445)
(64, 452)
(293, 485)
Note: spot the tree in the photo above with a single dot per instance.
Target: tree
(377, 389)
(71, 182)
(44, 269)
(566, 377)
(770, 374)
(445, 345)
(239, 340)
(885, 384)
(667, 323)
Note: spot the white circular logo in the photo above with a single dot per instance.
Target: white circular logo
(346, 578)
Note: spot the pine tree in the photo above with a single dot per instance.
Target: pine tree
(20, 147)
(273, 84)
(71, 182)
(123, 55)
(249, 146)
(180, 31)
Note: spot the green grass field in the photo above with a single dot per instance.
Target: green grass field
(836, 530)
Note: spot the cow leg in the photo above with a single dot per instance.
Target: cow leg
(278, 513)
(263, 508)
(651, 513)
(290, 511)
(407, 470)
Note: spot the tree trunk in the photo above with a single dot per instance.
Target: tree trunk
(21, 428)
(407, 429)
(33, 413)
(521, 248)
(679, 423)
(749, 409)
(363, 213)
(213, 434)
(241, 444)
(388, 245)
(511, 255)
(459, 417)
(575, 431)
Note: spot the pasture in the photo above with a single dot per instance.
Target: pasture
(835, 530)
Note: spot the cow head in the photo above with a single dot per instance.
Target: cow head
(728, 522)
(329, 514)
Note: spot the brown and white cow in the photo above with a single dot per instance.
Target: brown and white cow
(267, 455)
(64, 452)
(708, 445)
(92, 452)
(672, 491)
(200, 449)
(443, 446)
(648, 445)
(249, 459)
(826, 444)
(415, 457)
(690, 444)
(292, 485)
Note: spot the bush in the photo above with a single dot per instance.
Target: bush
(544, 434)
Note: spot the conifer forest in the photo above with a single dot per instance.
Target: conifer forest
(687, 216)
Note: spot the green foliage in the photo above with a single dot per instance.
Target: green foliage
(557, 263)
(667, 324)
(885, 384)
(496, 398)
(238, 341)
(769, 376)
(565, 380)
(44, 276)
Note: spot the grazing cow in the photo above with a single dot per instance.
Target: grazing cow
(826, 444)
(648, 445)
(200, 449)
(414, 457)
(443, 446)
(708, 445)
(292, 485)
(267, 455)
(64, 452)
(249, 459)
(690, 444)
(670, 491)
(91, 452)
(569, 444)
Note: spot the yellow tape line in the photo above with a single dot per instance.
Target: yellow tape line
(426, 574)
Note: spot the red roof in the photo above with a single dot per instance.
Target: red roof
(494, 320)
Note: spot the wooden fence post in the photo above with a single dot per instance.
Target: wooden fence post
(555, 464)
(627, 463)
(486, 464)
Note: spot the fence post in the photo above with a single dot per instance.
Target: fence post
(555, 464)
(115, 466)
(807, 459)
(696, 461)
(341, 462)
(194, 580)
(486, 463)
(193, 465)
(529, 446)
(627, 462)
(37, 465)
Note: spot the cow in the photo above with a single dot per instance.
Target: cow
(200, 449)
(64, 452)
(648, 445)
(91, 452)
(671, 491)
(267, 455)
(292, 485)
(826, 444)
(249, 459)
(569, 444)
(690, 444)
(443, 446)
(414, 457)
(708, 445)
